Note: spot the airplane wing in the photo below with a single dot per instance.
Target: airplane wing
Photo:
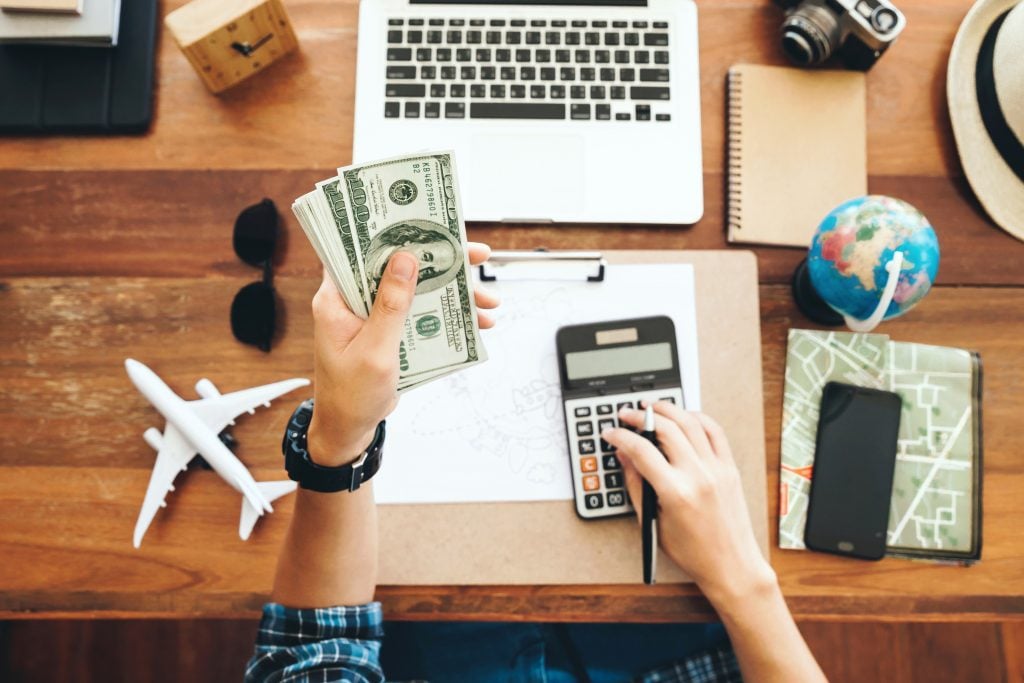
(173, 457)
(220, 411)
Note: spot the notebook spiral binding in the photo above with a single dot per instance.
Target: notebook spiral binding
(734, 151)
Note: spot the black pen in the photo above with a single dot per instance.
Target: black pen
(649, 519)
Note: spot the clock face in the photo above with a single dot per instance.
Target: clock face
(243, 46)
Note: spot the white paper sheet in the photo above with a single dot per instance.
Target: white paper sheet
(496, 432)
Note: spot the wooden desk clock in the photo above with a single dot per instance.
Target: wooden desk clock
(226, 41)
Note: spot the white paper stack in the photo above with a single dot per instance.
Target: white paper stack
(95, 25)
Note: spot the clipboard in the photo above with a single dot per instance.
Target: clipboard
(546, 543)
(543, 264)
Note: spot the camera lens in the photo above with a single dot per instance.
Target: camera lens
(796, 47)
(810, 34)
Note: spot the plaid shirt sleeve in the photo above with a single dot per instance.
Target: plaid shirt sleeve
(712, 666)
(324, 644)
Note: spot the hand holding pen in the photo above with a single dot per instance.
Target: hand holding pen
(702, 519)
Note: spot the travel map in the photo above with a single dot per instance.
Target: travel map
(934, 490)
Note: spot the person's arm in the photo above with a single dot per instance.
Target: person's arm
(321, 618)
(329, 556)
(704, 527)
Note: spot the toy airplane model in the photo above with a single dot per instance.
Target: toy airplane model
(193, 427)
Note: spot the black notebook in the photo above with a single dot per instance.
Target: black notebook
(58, 89)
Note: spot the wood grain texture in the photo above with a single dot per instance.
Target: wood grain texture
(869, 651)
(70, 500)
(211, 651)
(166, 651)
(909, 653)
(1012, 634)
(179, 223)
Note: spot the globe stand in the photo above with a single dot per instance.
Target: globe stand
(808, 300)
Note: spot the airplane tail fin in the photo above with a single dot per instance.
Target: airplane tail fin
(271, 490)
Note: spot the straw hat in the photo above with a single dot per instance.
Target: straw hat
(985, 89)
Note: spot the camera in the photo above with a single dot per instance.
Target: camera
(857, 31)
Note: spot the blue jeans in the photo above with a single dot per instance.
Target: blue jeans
(537, 653)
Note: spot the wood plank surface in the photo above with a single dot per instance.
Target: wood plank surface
(1012, 636)
(909, 653)
(179, 223)
(76, 470)
(212, 651)
(119, 246)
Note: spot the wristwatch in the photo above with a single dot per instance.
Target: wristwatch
(314, 477)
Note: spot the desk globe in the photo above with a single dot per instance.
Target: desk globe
(872, 259)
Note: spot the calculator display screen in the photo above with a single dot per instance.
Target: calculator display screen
(624, 360)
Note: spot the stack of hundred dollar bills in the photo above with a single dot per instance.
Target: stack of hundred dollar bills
(358, 219)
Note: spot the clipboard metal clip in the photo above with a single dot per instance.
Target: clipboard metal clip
(544, 265)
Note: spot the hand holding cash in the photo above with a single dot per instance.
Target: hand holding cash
(358, 220)
(357, 366)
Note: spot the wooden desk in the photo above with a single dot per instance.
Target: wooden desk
(111, 247)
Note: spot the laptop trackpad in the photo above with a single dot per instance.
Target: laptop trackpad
(532, 176)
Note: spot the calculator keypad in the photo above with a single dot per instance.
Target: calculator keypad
(617, 498)
(600, 486)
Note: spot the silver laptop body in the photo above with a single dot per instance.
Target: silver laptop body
(586, 112)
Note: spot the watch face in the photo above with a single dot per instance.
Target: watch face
(309, 475)
(297, 426)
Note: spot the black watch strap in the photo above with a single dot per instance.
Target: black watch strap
(314, 477)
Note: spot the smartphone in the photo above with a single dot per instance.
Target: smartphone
(848, 510)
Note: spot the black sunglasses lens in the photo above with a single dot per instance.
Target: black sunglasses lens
(256, 233)
(254, 314)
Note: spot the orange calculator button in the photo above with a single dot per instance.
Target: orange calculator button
(588, 464)
(591, 483)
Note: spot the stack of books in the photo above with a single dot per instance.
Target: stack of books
(90, 23)
(67, 6)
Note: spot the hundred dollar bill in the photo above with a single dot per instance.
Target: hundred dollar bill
(358, 219)
(411, 204)
(335, 204)
(315, 218)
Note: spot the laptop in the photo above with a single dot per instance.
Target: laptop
(587, 111)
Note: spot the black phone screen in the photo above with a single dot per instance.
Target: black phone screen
(848, 511)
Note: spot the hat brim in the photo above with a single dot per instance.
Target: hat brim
(997, 187)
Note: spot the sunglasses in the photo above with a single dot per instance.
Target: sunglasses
(254, 310)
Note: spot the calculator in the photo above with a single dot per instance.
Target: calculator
(604, 367)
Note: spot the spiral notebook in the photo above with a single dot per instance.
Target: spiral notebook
(796, 150)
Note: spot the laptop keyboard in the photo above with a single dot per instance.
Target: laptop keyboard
(580, 70)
